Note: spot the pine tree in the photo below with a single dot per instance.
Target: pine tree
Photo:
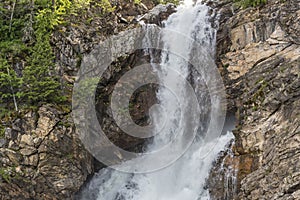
(9, 85)
(12, 50)
(39, 84)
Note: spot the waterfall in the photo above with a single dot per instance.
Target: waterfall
(184, 179)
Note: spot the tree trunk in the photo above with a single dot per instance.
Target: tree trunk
(12, 15)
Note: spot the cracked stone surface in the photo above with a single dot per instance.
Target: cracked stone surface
(45, 161)
(259, 58)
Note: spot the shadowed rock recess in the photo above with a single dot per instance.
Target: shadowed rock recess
(258, 55)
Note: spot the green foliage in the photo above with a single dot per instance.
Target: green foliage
(55, 15)
(106, 6)
(5, 174)
(2, 131)
(250, 3)
(27, 61)
(39, 85)
(25, 38)
(137, 1)
(49, 17)
(12, 49)
(176, 2)
(9, 83)
(64, 123)
(8, 173)
(226, 65)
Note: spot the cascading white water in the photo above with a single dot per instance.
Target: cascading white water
(185, 179)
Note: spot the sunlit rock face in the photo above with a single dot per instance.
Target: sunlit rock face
(42, 155)
(258, 55)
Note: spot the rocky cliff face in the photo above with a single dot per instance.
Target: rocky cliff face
(259, 57)
(41, 156)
